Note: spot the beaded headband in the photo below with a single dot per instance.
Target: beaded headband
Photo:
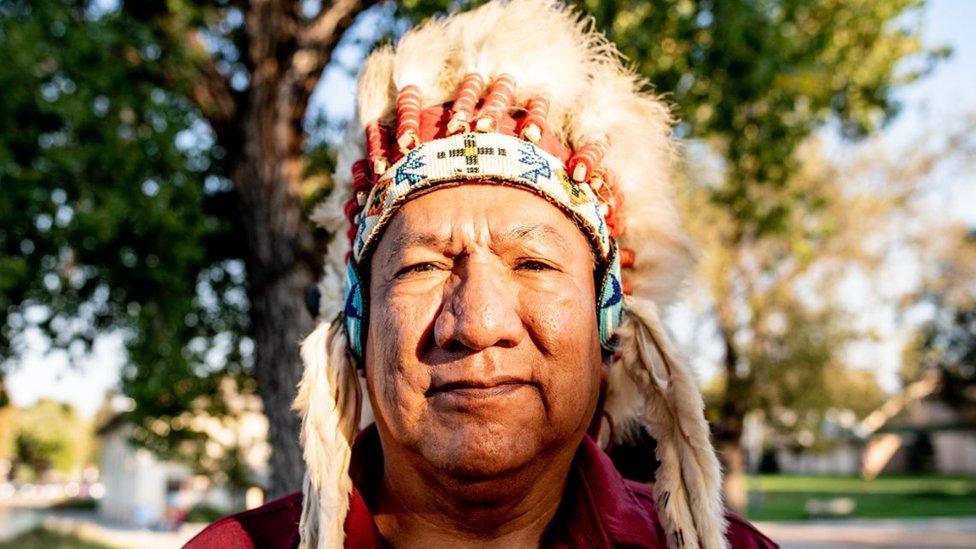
(481, 158)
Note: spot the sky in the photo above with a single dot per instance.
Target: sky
(940, 99)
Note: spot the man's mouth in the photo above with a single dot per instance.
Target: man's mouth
(474, 389)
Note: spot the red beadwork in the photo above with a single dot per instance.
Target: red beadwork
(537, 111)
(350, 209)
(586, 160)
(360, 176)
(467, 98)
(501, 94)
(627, 257)
(377, 139)
(408, 118)
(614, 224)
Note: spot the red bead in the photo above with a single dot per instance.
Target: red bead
(627, 258)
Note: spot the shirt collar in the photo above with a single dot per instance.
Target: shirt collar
(599, 508)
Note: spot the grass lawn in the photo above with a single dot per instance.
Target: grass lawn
(780, 497)
(40, 538)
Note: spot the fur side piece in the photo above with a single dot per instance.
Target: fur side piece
(640, 155)
(421, 59)
(329, 215)
(376, 96)
(624, 402)
(328, 402)
(688, 484)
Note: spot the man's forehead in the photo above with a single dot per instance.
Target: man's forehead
(503, 214)
(417, 235)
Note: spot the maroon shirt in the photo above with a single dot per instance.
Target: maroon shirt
(600, 509)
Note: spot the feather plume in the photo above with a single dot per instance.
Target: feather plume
(421, 59)
(688, 483)
(640, 156)
(376, 96)
(328, 401)
(542, 43)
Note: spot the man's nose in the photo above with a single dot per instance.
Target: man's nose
(480, 310)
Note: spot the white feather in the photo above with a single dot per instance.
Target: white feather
(421, 59)
(689, 481)
(328, 401)
(376, 98)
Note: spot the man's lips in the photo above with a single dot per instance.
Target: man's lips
(475, 388)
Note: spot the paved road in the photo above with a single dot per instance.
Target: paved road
(936, 533)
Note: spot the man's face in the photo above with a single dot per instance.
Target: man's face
(483, 352)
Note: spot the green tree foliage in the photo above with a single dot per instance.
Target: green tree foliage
(754, 78)
(947, 343)
(50, 436)
(140, 192)
(951, 345)
(750, 81)
(784, 328)
(110, 216)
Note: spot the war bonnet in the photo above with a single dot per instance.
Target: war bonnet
(522, 93)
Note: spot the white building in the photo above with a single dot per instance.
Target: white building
(143, 490)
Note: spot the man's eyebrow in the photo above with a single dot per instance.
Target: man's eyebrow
(527, 231)
(536, 231)
(426, 240)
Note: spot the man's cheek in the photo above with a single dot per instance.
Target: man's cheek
(560, 318)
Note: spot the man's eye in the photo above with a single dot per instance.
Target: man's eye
(533, 265)
(416, 268)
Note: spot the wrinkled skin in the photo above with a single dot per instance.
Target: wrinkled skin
(483, 360)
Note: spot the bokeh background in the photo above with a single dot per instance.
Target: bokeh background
(158, 159)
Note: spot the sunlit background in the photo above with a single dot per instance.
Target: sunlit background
(831, 320)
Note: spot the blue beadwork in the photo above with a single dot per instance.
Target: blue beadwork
(353, 311)
(532, 159)
(611, 303)
(404, 173)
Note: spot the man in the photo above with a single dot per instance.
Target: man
(511, 240)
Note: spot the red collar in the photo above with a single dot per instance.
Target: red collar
(599, 508)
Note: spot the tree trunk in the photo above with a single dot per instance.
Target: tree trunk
(262, 132)
(280, 259)
(727, 431)
(281, 264)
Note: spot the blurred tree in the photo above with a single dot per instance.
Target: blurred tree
(947, 343)
(9, 416)
(113, 213)
(751, 79)
(51, 436)
(784, 327)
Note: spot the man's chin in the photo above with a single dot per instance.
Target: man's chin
(482, 452)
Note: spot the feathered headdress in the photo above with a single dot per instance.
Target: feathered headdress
(521, 93)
